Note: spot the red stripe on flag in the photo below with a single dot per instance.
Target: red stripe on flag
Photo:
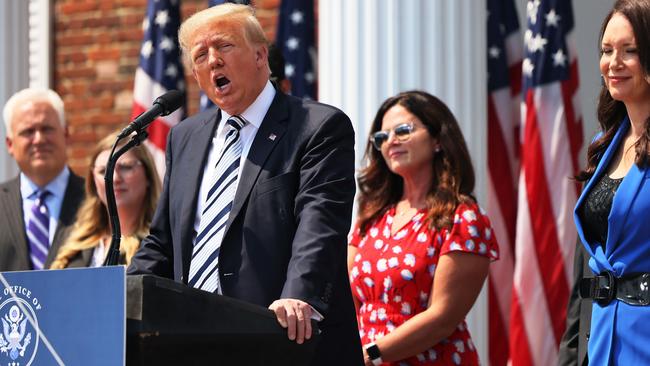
(500, 162)
(574, 124)
(158, 131)
(515, 87)
(518, 336)
(546, 244)
(514, 72)
(501, 174)
(497, 329)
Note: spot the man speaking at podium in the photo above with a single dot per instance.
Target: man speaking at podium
(258, 193)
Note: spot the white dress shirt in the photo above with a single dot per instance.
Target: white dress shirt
(254, 115)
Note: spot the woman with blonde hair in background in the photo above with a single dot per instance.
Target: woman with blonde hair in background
(137, 188)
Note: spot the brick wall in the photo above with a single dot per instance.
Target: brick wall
(96, 50)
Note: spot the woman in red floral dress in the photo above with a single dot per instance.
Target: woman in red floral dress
(421, 248)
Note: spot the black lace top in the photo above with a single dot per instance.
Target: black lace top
(596, 208)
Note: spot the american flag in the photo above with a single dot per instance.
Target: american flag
(505, 53)
(296, 40)
(160, 70)
(205, 102)
(551, 140)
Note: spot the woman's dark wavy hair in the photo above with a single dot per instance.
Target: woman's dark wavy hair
(453, 181)
(610, 111)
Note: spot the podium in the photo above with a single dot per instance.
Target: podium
(99, 316)
(63, 317)
(169, 323)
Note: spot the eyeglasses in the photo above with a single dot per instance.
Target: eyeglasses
(124, 168)
(401, 132)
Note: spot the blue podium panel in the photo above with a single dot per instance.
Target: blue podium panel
(63, 317)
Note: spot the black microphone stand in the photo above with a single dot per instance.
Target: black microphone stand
(113, 256)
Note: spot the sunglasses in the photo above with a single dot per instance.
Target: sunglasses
(401, 133)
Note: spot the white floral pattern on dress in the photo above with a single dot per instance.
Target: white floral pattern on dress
(382, 265)
(366, 267)
(388, 283)
(401, 234)
(469, 215)
(405, 265)
(409, 260)
(407, 275)
(469, 245)
(473, 231)
(373, 232)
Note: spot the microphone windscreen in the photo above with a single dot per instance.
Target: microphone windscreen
(170, 101)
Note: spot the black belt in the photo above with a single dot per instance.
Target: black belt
(604, 288)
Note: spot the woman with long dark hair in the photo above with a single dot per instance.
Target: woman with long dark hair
(611, 214)
(422, 247)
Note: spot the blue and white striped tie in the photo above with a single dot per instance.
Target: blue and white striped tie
(204, 273)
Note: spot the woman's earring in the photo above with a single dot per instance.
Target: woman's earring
(437, 149)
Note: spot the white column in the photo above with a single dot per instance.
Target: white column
(40, 43)
(25, 57)
(14, 48)
(372, 49)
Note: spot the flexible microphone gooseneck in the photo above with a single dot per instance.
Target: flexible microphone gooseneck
(162, 106)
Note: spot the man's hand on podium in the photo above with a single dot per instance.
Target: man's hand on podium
(295, 315)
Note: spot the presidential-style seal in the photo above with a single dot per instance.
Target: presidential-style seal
(20, 336)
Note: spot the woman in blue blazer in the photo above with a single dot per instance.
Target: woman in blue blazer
(613, 213)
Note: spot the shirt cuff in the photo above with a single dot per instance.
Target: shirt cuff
(315, 315)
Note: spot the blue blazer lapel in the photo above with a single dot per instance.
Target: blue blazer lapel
(600, 169)
(623, 200)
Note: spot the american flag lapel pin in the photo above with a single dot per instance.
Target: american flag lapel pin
(272, 137)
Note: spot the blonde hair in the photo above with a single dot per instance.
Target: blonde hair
(242, 15)
(92, 222)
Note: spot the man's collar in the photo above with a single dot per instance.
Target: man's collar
(56, 186)
(255, 113)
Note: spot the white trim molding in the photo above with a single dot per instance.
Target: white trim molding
(14, 41)
(40, 43)
(25, 57)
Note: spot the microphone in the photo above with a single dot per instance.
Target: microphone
(162, 106)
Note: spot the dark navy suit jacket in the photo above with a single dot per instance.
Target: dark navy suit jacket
(286, 234)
